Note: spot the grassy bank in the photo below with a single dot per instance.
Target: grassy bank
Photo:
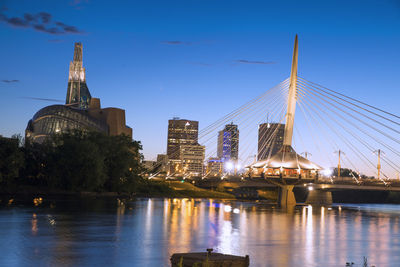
(189, 190)
(147, 188)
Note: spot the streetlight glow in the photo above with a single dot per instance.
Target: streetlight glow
(229, 166)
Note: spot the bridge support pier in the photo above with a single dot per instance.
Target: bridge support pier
(286, 196)
(319, 197)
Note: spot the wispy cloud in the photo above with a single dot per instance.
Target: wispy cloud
(78, 4)
(244, 61)
(42, 99)
(10, 81)
(41, 22)
(176, 43)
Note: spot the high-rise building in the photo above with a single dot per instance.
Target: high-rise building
(185, 155)
(80, 111)
(270, 139)
(181, 132)
(228, 143)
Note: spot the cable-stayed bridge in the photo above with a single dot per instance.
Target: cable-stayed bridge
(328, 137)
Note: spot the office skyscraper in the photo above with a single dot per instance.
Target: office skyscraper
(270, 139)
(228, 143)
(181, 132)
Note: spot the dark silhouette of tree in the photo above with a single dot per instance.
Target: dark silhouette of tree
(11, 160)
(344, 172)
(74, 161)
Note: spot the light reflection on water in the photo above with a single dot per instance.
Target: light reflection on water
(148, 231)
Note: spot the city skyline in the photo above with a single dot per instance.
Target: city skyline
(200, 132)
(159, 68)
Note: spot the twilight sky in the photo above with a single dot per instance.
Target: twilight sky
(195, 59)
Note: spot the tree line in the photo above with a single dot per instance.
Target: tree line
(73, 161)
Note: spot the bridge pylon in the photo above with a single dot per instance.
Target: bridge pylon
(286, 168)
(286, 196)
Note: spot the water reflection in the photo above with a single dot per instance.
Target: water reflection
(309, 253)
(34, 224)
(148, 231)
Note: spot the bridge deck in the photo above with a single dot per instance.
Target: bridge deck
(264, 183)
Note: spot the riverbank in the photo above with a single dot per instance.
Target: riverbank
(178, 189)
(173, 189)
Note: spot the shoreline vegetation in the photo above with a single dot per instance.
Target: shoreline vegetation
(83, 163)
(35, 196)
(174, 189)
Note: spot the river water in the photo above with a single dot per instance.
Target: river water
(146, 232)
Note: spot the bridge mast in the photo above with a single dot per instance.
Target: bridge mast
(287, 140)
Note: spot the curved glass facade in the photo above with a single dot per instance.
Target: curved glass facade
(59, 118)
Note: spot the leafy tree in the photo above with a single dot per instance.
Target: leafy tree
(11, 160)
(75, 163)
(92, 161)
(122, 163)
(344, 172)
(34, 171)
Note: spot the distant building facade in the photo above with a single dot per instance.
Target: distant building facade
(228, 143)
(80, 111)
(149, 164)
(214, 167)
(181, 132)
(270, 139)
(162, 163)
(192, 158)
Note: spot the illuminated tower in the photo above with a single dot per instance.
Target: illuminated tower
(228, 143)
(78, 94)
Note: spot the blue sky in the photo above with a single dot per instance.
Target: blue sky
(193, 59)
